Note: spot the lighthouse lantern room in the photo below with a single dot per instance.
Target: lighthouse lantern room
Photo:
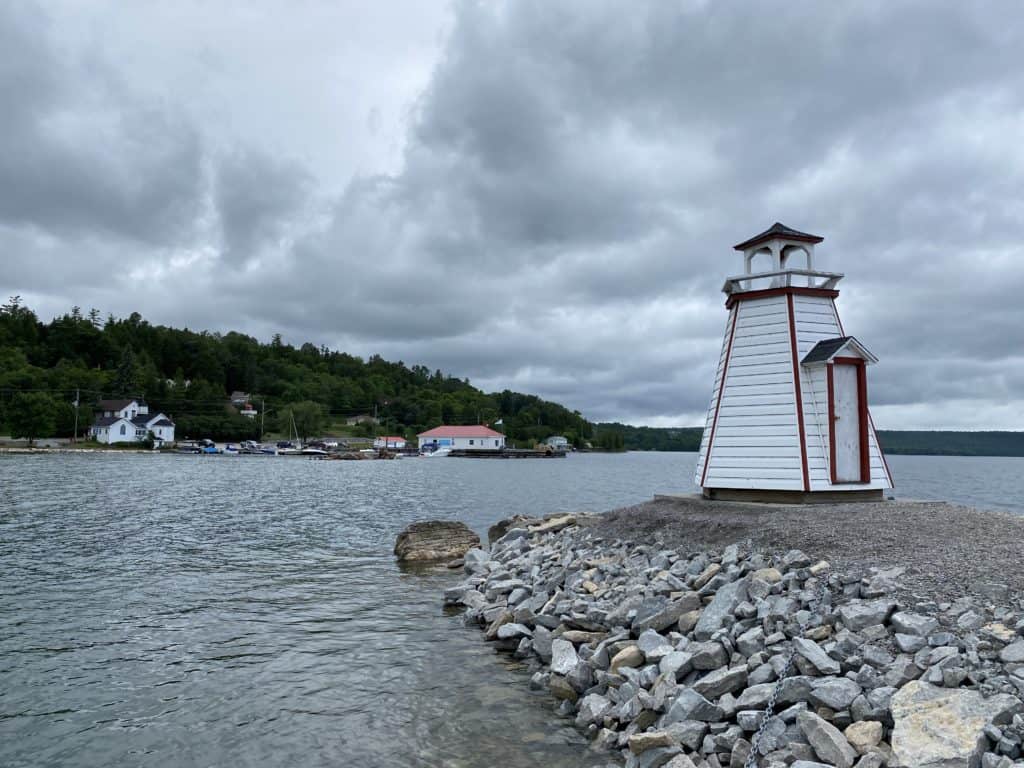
(789, 418)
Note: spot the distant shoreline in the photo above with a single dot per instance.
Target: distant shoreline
(988, 443)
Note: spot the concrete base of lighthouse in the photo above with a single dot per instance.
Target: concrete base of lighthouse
(792, 497)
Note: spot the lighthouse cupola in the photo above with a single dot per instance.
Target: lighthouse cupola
(779, 256)
(789, 418)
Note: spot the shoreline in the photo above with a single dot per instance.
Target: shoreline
(663, 629)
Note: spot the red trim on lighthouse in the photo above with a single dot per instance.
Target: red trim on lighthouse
(797, 389)
(831, 425)
(793, 290)
(718, 400)
(862, 415)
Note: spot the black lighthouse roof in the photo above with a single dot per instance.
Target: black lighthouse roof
(776, 230)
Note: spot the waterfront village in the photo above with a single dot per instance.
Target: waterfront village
(128, 422)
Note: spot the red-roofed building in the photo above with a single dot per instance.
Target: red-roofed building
(474, 438)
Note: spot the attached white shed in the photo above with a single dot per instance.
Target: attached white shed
(789, 418)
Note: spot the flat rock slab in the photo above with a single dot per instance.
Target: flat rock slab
(432, 540)
(943, 727)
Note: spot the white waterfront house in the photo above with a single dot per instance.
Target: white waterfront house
(389, 441)
(789, 418)
(129, 421)
(474, 438)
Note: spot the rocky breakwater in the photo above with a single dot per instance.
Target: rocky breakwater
(709, 659)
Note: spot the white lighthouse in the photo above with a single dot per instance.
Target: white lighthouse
(789, 418)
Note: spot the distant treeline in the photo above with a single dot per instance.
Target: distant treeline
(654, 438)
(947, 443)
(936, 443)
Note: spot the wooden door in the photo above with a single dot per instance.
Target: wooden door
(848, 410)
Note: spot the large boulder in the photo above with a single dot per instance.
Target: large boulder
(944, 727)
(435, 540)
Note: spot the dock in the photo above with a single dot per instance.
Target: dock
(507, 453)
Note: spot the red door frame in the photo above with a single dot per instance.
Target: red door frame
(862, 414)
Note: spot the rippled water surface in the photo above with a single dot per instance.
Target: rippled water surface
(184, 610)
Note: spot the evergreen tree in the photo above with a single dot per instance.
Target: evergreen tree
(32, 415)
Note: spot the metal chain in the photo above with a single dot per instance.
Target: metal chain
(751, 761)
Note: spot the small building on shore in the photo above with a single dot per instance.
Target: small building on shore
(129, 421)
(471, 438)
(789, 418)
(389, 442)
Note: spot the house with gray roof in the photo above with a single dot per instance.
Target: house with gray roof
(129, 421)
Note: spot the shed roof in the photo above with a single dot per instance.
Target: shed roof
(826, 349)
(778, 230)
(471, 431)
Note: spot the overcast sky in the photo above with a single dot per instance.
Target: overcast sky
(536, 195)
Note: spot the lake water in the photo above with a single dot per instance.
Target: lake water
(216, 611)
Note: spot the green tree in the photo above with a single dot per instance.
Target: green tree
(310, 419)
(126, 379)
(32, 415)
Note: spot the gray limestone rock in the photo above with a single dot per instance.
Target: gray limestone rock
(721, 681)
(828, 742)
(713, 617)
(709, 655)
(513, 631)
(690, 705)
(913, 624)
(1013, 653)
(676, 664)
(665, 615)
(836, 693)
(592, 708)
(860, 614)
(816, 656)
(563, 656)
(542, 643)
(653, 645)
(689, 733)
(909, 643)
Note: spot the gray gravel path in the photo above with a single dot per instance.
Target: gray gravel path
(948, 550)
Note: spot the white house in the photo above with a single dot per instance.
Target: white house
(478, 438)
(129, 421)
(558, 442)
(388, 441)
(789, 417)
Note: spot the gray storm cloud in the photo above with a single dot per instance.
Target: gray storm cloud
(567, 184)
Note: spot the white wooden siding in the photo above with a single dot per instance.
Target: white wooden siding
(756, 433)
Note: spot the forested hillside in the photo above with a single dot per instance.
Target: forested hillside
(190, 374)
(937, 443)
(948, 443)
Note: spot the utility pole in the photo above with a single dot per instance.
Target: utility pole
(74, 436)
(263, 415)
